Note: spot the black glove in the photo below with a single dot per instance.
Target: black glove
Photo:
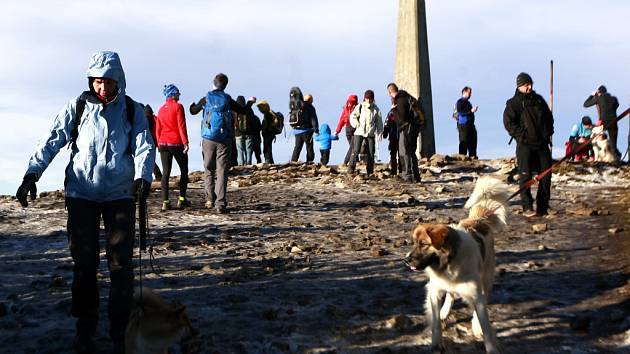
(28, 185)
(141, 189)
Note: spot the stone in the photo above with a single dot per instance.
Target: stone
(399, 322)
(615, 230)
(583, 211)
(540, 227)
(376, 251)
(296, 249)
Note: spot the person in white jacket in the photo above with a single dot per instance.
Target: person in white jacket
(366, 119)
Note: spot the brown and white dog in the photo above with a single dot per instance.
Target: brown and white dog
(460, 260)
(154, 325)
(602, 147)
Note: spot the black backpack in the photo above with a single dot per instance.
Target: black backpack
(415, 106)
(130, 107)
(297, 114)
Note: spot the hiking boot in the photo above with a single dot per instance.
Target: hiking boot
(223, 210)
(531, 214)
(182, 203)
(166, 205)
(209, 205)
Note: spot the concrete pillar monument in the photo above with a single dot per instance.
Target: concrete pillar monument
(412, 72)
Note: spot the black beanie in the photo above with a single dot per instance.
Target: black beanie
(586, 120)
(522, 79)
(602, 89)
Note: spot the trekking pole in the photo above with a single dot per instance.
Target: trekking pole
(542, 174)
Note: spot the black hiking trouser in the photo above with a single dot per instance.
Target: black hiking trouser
(300, 140)
(407, 144)
(268, 147)
(325, 156)
(613, 132)
(357, 142)
(256, 147)
(393, 157)
(350, 147)
(534, 158)
(166, 155)
(84, 219)
(467, 139)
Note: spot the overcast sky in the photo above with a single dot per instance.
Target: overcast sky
(330, 48)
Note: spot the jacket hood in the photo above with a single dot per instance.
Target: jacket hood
(107, 64)
(352, 101)
(324, 129)
(263, 106)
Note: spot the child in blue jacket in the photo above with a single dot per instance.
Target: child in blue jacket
(324, 139)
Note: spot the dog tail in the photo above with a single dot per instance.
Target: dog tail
(488, 204)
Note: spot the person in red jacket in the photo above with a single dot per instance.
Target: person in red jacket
(344, 121)
(172, 141)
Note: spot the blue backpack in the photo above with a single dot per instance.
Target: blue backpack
(218, 122)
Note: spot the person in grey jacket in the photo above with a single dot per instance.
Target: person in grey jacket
(368, 124)
(112, 158)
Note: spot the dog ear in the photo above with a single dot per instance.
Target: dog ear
(437, 234)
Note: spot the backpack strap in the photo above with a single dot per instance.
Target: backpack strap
(81, 101)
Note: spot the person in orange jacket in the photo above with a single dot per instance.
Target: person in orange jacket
(172, 141)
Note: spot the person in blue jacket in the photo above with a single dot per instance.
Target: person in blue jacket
(325, 139)
(580, 133)
(112, 158)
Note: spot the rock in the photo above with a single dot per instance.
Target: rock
(376, 251)
(615, 230)
(540, 227)
(57, 282)
(296, 250)
(542, 247)
(399, 322)
(584, 211)
(400, 243)
(440, 189)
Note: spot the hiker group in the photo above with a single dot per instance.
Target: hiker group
(113, 144)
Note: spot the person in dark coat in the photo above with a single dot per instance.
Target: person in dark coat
(528, 119)
(607, 108)
(408, 130)
(304, 133)
(466, 124)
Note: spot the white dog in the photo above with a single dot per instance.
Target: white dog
(460, 260)
(601, 146)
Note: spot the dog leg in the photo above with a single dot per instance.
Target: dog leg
(481, 315)
(433, 313)
(446, 308)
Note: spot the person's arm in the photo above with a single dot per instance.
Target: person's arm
(575, 131)
(379, 121)
(314, 120)
(354, 116)
(590, 101)
(181, 126)
(512, 123)
(158, 129)
(234, 106)
(342, 122)
(58, 137)
(197, 107)
(142, 146)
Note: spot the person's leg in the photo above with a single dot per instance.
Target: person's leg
(310, 151)
(249, 149)
(268, 148)
(544, 186)
(256, 147)
(371, 146)
(84, 218)
(613, 132)
(472, 141)
(415, 172)
(240, 150)
(357, 140)
(325, 156)
(223, 166)
(119, 218)
(157, 174)
(210, 170)
(346, 159)
(525, 174)
(182, 162)
(299, 142)
(167, 162)
(405, 156)
(463, 142)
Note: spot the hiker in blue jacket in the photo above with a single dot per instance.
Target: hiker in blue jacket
(325, 139)
(217, 131)
(112, 158)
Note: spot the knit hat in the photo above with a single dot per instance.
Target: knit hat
(522, 79)
(368, 95)
(170, 90)
(586, 120)
(602, 89)
(308, 98)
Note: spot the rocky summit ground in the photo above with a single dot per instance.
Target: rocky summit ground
(309, 261)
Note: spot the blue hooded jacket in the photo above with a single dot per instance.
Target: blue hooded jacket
(101, 167)
(325, 138)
